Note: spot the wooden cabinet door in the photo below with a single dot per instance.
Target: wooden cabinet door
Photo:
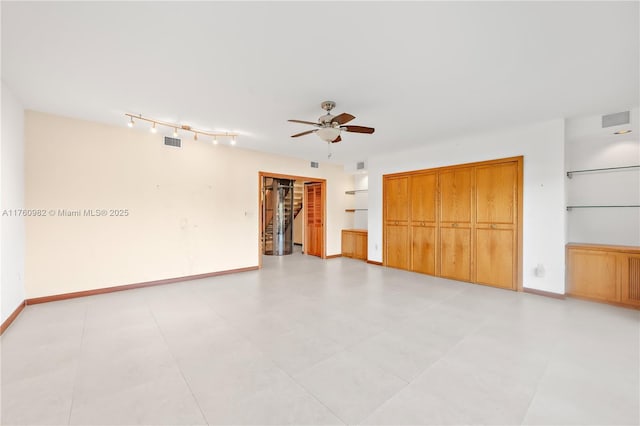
(423, 190)
(456, 223)
(396, 246)
(360, 246)
(593, 274)
(314, 233)
(496, 250)
(630, 279)
(348, 243)
(396, 222)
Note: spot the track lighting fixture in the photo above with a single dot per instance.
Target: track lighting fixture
(155, 123)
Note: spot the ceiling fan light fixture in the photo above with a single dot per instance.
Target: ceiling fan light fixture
(328, 134)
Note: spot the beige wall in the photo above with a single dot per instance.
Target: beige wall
(192, 210)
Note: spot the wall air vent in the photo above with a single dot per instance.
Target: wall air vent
(617, 119)
(360, 165)
(314, 164)
(172, 142)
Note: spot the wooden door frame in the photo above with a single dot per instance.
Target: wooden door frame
(305, 179)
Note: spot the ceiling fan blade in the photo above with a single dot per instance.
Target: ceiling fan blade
(342, 118)
(358, 129)
(304, 122)
(303, 133)
(338, 139)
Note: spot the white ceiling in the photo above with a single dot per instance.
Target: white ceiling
(416, 71)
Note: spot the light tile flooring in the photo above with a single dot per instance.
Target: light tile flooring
(306, 341)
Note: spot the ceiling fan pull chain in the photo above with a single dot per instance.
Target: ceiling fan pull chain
(328, 150)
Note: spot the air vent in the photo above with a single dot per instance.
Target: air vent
(314, 164)
(360, 165)
(172, 141)
(616, 119)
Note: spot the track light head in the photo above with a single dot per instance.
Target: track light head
(154, 129)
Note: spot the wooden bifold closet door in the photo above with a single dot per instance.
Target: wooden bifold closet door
(424, 223)
(314, 231)
(496, 225)
(396, 222)
(459, 222)
(455, 224)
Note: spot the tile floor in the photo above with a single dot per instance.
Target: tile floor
(306, 341)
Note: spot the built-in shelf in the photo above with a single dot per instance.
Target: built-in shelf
(601, 207)
(353, 191)
(606, 169)
(354, 210)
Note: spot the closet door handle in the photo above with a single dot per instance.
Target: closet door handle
(455, 225)
(493, 226)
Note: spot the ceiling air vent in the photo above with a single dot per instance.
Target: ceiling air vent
(360, 165)
(314, 164)
(616, 119)
(172, 141)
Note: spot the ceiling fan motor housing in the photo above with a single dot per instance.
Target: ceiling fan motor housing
(325, 119)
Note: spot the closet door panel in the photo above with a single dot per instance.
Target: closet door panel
(455, 253)
(495, 261)
(396, 222)
(396, 246)
(496, 193)
(423, 197)
(455, 195)
(396, 199)
(496, 224)
(423, 201)
(423, 249)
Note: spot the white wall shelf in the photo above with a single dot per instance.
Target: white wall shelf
(572, 172)
(569, 208)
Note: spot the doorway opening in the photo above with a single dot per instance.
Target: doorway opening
(292, 215)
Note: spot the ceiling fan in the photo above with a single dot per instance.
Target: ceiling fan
(330, 126)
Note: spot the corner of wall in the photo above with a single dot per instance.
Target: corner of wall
(12, 229)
